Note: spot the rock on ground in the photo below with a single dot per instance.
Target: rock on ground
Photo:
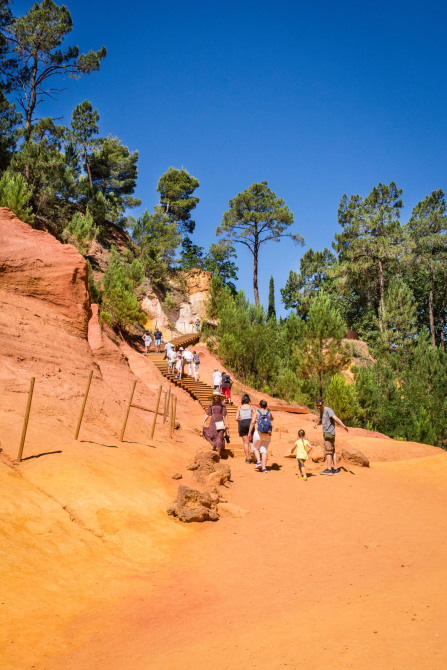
(355, 456)
(193, 505)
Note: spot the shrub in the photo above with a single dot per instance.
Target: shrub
(16, 194)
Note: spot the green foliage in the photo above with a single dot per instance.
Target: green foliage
(84, 124)
(256, 216)
(169, 303)
(369, 243)
(176, 188)
(218, 260)
(271, 312)
(323, 354)
(341, 397)
(94, 289)
(9, 120)
(16, 194)
(81, 231)
(191, 256)
(158, 238)
(399, 321)
(314, 273)
(37, 37)
(121, 280)
(114, 172)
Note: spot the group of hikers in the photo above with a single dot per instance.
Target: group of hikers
(255, 429)
(254, 425)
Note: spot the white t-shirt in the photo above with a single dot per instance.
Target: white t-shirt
(168, 347)
(217, 377)
(147, 340)
(187, 355)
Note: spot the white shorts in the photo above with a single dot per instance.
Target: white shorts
(261, 441)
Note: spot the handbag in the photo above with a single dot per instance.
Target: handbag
(220, 425)
(227, 438)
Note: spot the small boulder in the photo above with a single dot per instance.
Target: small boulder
(221, 474)
(317, 454)
(177, 476)
(193, 505)
(355, 456)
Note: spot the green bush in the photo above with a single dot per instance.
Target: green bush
(81, 231)
(340, 396)
(16, 194)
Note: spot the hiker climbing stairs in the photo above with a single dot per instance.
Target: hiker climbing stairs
(197, 390)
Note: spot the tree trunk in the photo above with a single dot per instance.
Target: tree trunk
(255, 274)
(430, 306)
(442, 333)
(382, 296)
(320, 383)
(87, 164)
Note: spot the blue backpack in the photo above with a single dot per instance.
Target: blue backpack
(264, 423)
(196, 360)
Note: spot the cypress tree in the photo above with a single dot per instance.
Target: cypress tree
(271, 312)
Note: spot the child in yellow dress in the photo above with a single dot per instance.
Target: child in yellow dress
(302, 447)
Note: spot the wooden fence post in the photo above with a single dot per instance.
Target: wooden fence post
(84, 402)
(25, 423)
(174, 411)
(164, 406)
(171, 415)
(156, 412)
(168, 401)
(128, 410)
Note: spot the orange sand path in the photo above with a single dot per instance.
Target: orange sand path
(347, 571)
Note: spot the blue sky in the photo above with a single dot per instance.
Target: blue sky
(319, 99)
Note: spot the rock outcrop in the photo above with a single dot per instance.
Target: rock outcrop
(355, 456)
(193, 505)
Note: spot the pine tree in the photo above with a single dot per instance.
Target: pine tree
(427, 230)
(36, 40)
(15, 194)
(257, 216)
(84, 124)
(399, 320)
(323, 353)
(176, 188)
(120, 305)
(369, 242)
(271, 312)
(301, 288)
(158, 238)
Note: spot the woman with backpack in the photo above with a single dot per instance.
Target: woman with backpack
(262, 435)
(195, 365)
(244, 417)
(215, 432)
(226, 386)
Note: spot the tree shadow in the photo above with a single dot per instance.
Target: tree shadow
(46, 453)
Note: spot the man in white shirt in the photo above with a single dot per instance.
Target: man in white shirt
(187, 357)
(217, 379)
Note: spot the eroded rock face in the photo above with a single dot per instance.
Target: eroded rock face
(193, 505)
(44, 302)
(355, 456)
(34, 264)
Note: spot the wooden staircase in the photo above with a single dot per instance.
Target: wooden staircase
(197, 390)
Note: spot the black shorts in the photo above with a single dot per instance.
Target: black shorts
(244, 427)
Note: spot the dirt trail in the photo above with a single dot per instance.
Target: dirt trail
(346, 571)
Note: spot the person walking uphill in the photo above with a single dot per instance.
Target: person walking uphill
(157, 336)
(244, 416)
(217, 413)
(328, 421)
(262, 435)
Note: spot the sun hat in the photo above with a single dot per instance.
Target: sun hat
(213, 395)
